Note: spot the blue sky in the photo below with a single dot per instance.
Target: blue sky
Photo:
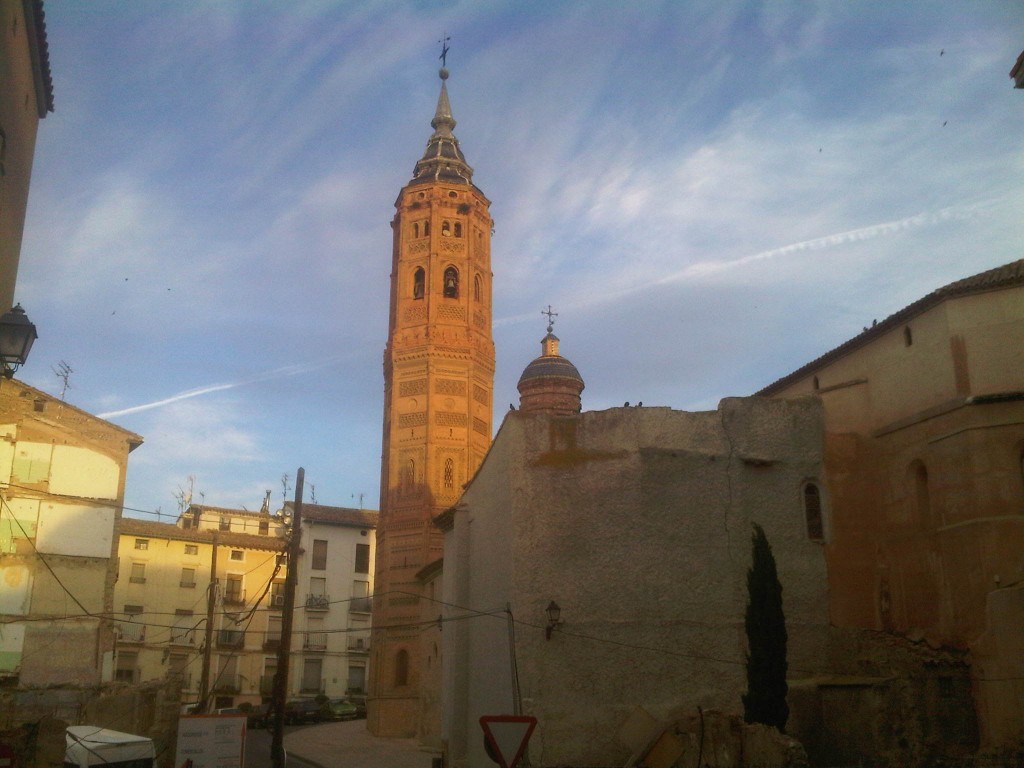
(710, 194)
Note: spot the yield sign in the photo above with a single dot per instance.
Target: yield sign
(507, 737)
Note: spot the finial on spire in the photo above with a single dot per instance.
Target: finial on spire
(444, 51)
(551, 317)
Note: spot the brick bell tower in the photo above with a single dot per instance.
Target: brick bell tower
(438, 386)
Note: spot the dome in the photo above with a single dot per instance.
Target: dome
(550, 383)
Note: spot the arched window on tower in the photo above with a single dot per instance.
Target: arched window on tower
(449, 474)
(451, 283)
(458, 229)
(478, 288)
(418, 278)
(812, 512)
(416, 230)
(426, 228)
(446, 228)
(402, 668)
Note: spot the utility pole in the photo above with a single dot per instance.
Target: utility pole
(211, 603)
(277, 755)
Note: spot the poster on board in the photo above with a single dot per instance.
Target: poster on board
(210, 741)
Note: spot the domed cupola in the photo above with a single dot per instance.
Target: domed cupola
(550, 384)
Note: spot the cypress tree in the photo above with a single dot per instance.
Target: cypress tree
(765, 700)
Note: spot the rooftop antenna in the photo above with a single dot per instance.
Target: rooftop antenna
(360, 499)
(285, 487)
(63, 372)
(312, 494)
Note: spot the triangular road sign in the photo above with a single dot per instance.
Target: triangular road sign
(507, 735)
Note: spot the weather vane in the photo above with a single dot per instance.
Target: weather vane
(444, 49)
(551, 317)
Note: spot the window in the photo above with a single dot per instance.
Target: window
(921, 496)
(451, 283)
(812, 512)
(319, 555)
(191, 549)
(183, 629)
(362, 558)
(449, 473)
(356, 679)
(360, 597)
(233, 592)
(142, 543)
(138, 574)
(127, 667)
(312, 676)
(237, 555)
(188, 578)
(277, 594)
(264, 528)
(227, 674)
(908, 336)
(132, 611)
(446, 229)
(478, 288)
(426, 228)
(225, 523)
(402, 668)
(318, 586)
(416, 230)
(418, 279)
(458, 229)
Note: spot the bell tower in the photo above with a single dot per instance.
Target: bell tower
(438, 386)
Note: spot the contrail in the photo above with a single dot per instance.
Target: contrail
(705, 268)
(277, 373)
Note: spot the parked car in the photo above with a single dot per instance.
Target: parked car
(360, 702)
(341, 709)
(301, 711)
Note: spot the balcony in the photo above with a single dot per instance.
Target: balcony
(360, 605)
(315, 641)
(185, 584)
(130, 632)
(137, 579)
(318, 602)
(271, 641)
(231, 638)
(234, 597)
(228, 685)
(182, 636)
(127, 675)
(359, 644)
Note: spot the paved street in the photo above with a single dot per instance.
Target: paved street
(336, 745)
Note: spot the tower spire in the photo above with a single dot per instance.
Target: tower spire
(443, 160)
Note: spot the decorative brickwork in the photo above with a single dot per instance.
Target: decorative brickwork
(450, 387)
(412, 387)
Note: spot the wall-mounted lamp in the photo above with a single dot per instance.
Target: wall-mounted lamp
(554, 619)
(16, 336)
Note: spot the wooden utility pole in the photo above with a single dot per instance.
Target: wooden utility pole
(277, 755)
(211, 604)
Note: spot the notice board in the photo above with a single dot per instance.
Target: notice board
(210, 741)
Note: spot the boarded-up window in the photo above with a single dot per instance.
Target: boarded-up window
(312, 676)
(31, 463)
(362, 558)
(319, 555)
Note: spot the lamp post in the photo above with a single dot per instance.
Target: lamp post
(17, 333)
(554, 619)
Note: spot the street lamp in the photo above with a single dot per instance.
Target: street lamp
(17, 333)
(554, 619)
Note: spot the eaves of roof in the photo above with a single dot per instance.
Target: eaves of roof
(1007, 276)
(39, 50)
(319, 513)
(131, 526)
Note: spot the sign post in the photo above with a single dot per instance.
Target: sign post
(506, 737)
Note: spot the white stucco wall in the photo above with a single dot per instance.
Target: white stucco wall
(81, 530)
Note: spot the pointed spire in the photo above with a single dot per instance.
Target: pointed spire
(443, 160)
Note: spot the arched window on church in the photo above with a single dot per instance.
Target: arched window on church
(478, 288)
(812, 512)
(451, 283)
(416, 230)
(409, 475)
(418, 278)
(458, 229)
(402, 668)
(449, 474)
(426, 228)
(446, 228)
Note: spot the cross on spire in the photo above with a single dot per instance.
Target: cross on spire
(444, 49)
(551, 317)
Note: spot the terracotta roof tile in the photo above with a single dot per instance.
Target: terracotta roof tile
(131, 526)
(359, 518)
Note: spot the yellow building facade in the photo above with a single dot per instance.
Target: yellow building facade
(438, 387)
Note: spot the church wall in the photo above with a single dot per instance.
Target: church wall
(637, 522)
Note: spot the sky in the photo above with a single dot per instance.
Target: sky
(709, 194)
